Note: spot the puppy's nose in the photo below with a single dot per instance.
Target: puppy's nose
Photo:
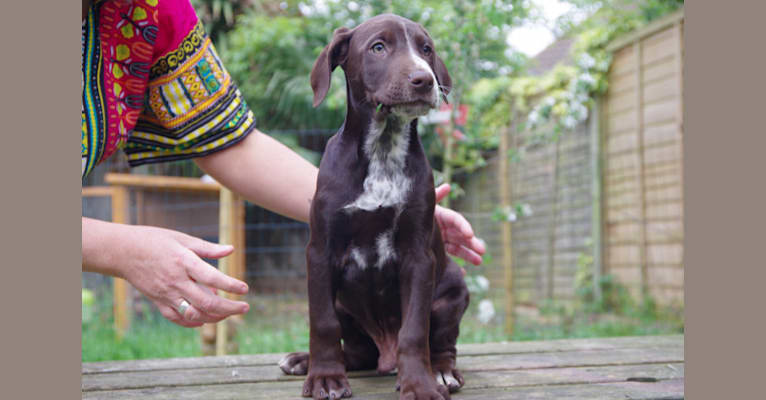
(421, 80)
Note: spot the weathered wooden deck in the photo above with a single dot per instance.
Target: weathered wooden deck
(650, 367)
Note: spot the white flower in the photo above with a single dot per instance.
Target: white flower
(569, 122)
(482, 282)
(486, 311)
(526, 209)
(587, 79)
(579, 112)
(533, 117)
(477, 284)
(586, 61)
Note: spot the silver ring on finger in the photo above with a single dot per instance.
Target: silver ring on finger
(183, 307)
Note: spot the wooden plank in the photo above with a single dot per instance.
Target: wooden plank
(168, 183)
(666, 253)
(621, 143)
(507, 238)
(622, 63)
(674, 192)
(97, 191)
(120, 288)
(272, 373)
(577, 384)
(663, 132)
(659, 46)
(669, 210)
(659, 71)
(660, 112)
(478, 366)
(625, 253)
(239, 242)
(368, 382)
(621, 84)
(640, 120)
(648, 30)
(621, 231)
(226, 234)
(666, 276)
(554, 188)
(661, 90)
(624, 161)
(464, 350)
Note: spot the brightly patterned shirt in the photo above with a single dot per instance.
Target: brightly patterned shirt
(154, 85)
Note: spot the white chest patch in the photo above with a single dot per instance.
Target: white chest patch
(386, 184)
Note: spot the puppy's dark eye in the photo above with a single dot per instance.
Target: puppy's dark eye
(427, 49)
(378, 47)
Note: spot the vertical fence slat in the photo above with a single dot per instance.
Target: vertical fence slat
(227, 233)
(596, 188)
(638, 49)
(551, 256)
(505, 202)
(121, 304)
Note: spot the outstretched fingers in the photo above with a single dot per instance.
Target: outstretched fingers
(213, 308)
(208, 275)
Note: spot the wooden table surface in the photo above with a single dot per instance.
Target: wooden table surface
(649, 367)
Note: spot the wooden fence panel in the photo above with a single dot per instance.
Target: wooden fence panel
(643, 181)
(640, 192)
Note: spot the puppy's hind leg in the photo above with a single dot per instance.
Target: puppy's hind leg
(295, 363)
(359, 350)
(451, 301)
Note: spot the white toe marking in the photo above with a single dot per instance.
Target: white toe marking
(450, 380)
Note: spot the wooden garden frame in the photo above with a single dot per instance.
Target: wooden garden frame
(230, 227)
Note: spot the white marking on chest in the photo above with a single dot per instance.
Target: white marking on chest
(385, 247)
(386, 184)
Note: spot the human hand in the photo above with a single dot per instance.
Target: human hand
(166, 266)
(458, 236)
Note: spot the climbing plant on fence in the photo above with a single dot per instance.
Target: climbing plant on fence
(563, 95)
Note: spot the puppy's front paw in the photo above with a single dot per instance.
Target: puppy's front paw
(423, 389)
(326, 384)
(295, 363)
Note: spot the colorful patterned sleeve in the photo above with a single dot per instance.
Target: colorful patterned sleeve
(192, 107)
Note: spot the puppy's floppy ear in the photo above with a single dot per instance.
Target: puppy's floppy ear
(442, 77)
(332, 55)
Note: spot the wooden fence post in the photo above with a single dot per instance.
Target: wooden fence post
(226, 234)
(551, 259)
(643, 262)
(505, 202)
(121, 306)
(596, 188)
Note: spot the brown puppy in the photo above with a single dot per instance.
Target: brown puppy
(378, 276)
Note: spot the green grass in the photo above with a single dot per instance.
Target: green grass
(280, 324)
(147, 339)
